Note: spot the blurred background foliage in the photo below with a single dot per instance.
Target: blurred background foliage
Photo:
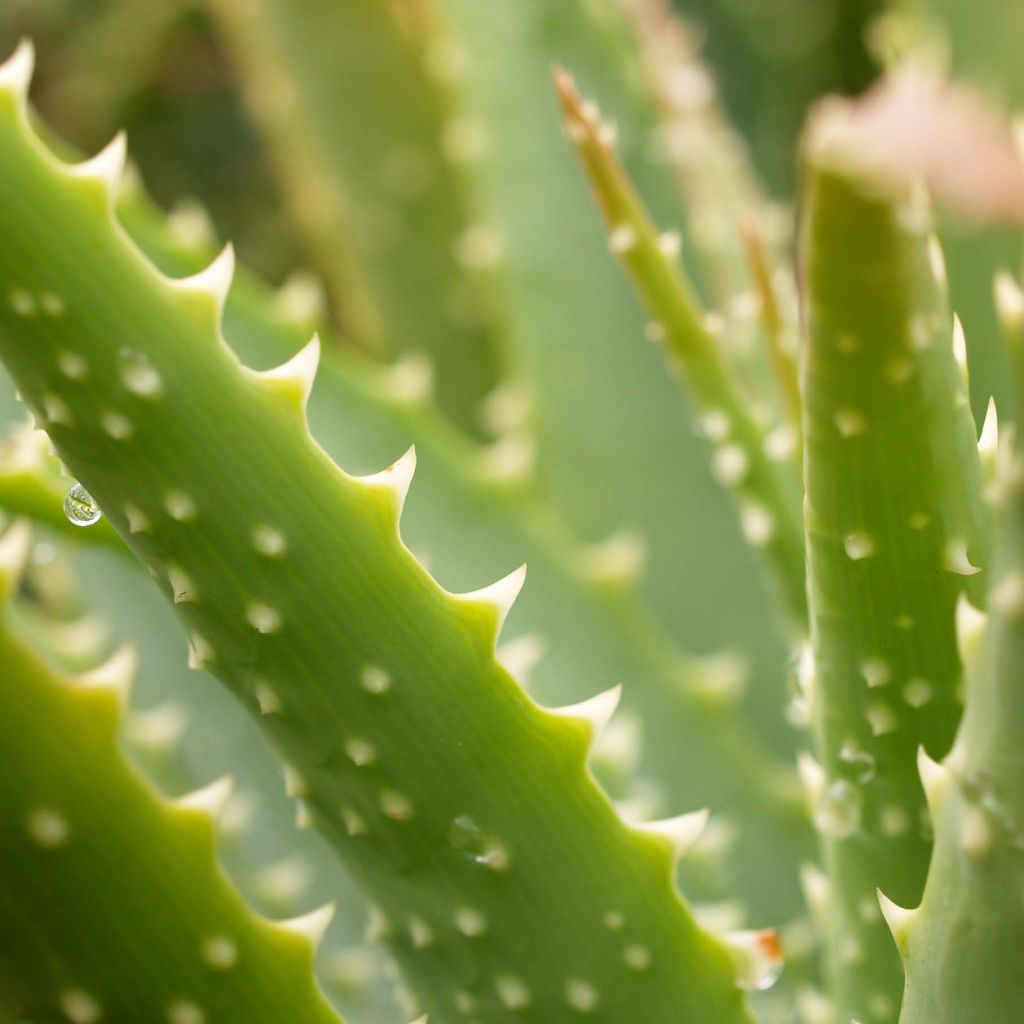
(160, 69)
(156, 67)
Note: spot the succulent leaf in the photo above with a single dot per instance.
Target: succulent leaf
(102, 876)
(968, 920)
(357, 598)
(896, 531)
(581, 602)
(766, 491)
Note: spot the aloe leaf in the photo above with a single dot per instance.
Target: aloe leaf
(956, 946)
(581, 606)
(895, 532)
(381, 186)
(102, 875)
(290, 576)
(766, 489)
(735, 235)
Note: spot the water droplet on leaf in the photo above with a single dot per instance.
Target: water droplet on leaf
(860, 761)
(80, 508)
(468, 838)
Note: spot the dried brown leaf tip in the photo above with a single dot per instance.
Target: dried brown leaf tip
(915, 126)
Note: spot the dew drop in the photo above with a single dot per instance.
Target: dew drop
(860, 761)
(80, 508)
(838, 812)
(465, 836)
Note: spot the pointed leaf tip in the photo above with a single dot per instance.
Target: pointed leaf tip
(296, 376)
(988, 442)
(16, 71)
(682, 831)
(312, 926)
(116, 674)
(971, 625)
(215, 280)
(565, 88)
(209, 800)
(596, 711)
(933, 776)
(106, 167)
(500, 595)
(957, 559)
(398, 476)
(959, 343)
(899, 919)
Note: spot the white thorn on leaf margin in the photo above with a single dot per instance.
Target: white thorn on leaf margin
(311, 926)
(597, 711)
(500, 595)
(933, 776)
(988, 442)
(681, 831)
(209, 799)
(16, 71)
(971, 625)
(897, 918)
(299, 372)
(107, 166)
(117, 673)
(398, 476)
(215, 280)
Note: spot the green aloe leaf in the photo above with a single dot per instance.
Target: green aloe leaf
(103, 877)
(292, 581)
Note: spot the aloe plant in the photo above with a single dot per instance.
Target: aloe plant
(503, 824)
(75, 809)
